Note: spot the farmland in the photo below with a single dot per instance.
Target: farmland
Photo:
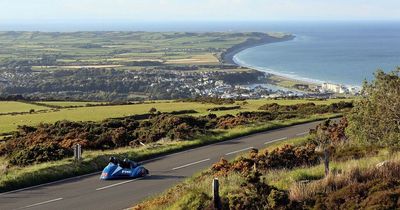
(126, 66)
(54, 51)
(14, 106)
(97, 113)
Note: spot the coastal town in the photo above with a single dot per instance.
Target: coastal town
(124, 75)
(154, 83)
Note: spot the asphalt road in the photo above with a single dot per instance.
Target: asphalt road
(88, 192)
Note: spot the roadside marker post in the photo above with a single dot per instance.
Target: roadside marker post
(216, 198)
(77, 152)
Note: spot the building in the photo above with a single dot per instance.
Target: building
(335, 88)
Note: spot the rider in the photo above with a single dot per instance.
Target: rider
(129, 163)
(113, 160)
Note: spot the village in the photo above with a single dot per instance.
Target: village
(159, 84)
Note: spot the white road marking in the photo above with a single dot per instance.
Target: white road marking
(189, 164)
(50, 183)
(280, 139)
(300, 134)
(119, 183)
(241, 150)
(44, 202)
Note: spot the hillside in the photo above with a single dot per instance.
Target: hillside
(42, 152)
(350, 164)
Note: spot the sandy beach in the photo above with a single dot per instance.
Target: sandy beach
(278, 80)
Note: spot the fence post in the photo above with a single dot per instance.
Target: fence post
(216, 198)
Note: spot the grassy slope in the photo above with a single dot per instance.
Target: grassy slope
(181, 195)
(170, 198)
(15, 106)
(10, 122)
(16, 177)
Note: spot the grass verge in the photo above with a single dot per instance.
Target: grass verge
(182, 194)
(196, 191)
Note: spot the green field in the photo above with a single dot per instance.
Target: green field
(10, 122)
(116, 49)
(14, 106)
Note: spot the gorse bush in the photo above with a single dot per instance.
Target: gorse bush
(255, 194)
(280, 112)
(306, 108)
(286, 157)
(39, 153)
(54, 141)
(223, 108)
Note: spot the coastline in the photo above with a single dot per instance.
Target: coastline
(274, 79)
(227, 56)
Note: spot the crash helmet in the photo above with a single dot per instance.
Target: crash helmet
(112, 159)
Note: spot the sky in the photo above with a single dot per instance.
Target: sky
(197, 10)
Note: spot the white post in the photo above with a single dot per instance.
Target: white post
(77, 152)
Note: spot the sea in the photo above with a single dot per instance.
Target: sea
(340, 52)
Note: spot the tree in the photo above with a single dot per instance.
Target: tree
(375, 119)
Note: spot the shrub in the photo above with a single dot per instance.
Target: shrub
(39, 153)
(306, 108)
(152, 110)
(255, 194)
(223, 108)
(287, 156)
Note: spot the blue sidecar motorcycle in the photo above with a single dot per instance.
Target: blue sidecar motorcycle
(117, 169)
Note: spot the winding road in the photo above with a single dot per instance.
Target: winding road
(88, 192)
